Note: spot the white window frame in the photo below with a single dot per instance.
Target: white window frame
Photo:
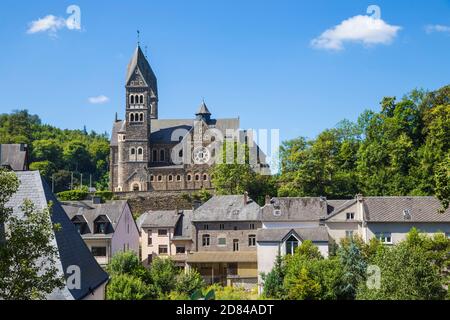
(383, 237)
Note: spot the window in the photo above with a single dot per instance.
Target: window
(131, 117)
(152, 178)
(206, 227)
(189, 177)
(140, 151)
(141, 117)
(160, 178)
(136, 187)
(252, 226)
(101, 225)
(178, 178)
(235, 245)
(235, 228)
(349, 234)
(180, 154)
(384, 237)
(141, 99)
(197, 177)
(181, 250)
(163, 249)
(350, 216)
(162, 156)
(150, 239)
(291, 245)
(222, 242)
(98, 251)
(206, 240)
(205, 177)
(162, 232)
(222, 226)
(277, 213)
(132, 99)
(132, 151)
(252, 240)
(170, 178)
(154, 155)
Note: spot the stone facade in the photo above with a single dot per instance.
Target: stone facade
(152, 154)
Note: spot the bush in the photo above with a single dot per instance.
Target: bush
(273, 281)
(230, 293)
(124, 263)
(163, 274)
(105, 195)
(126, 287)
(189, 282)
(73, 195)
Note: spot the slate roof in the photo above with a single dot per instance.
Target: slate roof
(336, 206)
(203, 110)
(14, 155)
(156, 219)
(295, 209)
(72, 251)
(183, 229)
(317, 234)
(111, 209)
(227, 208)
(165, 130)
(391, 209)
(139, 60)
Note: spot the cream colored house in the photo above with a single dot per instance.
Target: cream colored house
(165, 234)
(386, 218)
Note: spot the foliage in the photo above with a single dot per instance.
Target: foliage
(230, 293)
(73, 195)
(57, 152)
(274, 280)
(124, 263)
(27, 257)
(354, 268)
(189, 282)
(105, 195)
(163, 274)
(128, 287)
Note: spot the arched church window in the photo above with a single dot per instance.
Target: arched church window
(180, 154)
(189, 177)
(154, 155)
(162, 155)
(132, 99)
(131, 117)
(140, 151)
(141, 117)
(141, 99)
(160, 178)
(178, 178)
(205, 177)
(132, 151)
(136, 187)
(170, 178)
(197, 177)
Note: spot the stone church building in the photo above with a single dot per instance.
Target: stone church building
(152, 154)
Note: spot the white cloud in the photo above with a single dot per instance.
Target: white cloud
(49, 23)
(437, 28)
(98, 100)
(360, 29)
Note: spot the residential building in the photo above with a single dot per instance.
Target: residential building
(107, 228)
(72, 252)
(14, 156)
(151, 154)
(225, 230)
(286, 223)
(166, 234)
(387, 218)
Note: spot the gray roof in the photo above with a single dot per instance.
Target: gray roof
(111, 209)
(203, 110)
(391, 209)
(183, 229)
(139, 60)
(14, 155)
(317, 234)
(167, 131)
(162, 218)
(72, 251)
(295, 209)
(227, 208)
(336, 206)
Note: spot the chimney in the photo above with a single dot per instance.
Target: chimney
(245, 198)
(359, 197)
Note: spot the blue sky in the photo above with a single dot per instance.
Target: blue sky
(273, 63)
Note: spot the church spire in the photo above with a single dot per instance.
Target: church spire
(203, 113)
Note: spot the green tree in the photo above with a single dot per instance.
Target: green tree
(163, 274)
(354, 269)
(27, 255)
(127, 287)
(189, 282)
(274, 280)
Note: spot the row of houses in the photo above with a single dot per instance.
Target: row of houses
(230, 240)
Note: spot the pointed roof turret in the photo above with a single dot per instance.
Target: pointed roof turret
(140, 61)
(203, 112)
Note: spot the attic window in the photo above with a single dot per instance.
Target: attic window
(350, 216)
(101, 225)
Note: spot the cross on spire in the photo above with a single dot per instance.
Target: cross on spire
(138, 38)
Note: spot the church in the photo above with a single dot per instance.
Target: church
(152, 154)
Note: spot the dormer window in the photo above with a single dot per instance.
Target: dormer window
(101, 225)
(80, 224)
(291, 245)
